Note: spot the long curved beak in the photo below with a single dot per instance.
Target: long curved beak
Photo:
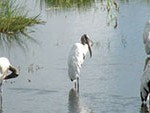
(89, 46)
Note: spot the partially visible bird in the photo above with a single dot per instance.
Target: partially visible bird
(145, 82)
(146, 37)
(5, 67)
(76, 58)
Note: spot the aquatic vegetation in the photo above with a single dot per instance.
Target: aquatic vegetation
(18, 24)
(124, 41)
(14, 22)
(33, 68)
(112, 8)
(63, 4)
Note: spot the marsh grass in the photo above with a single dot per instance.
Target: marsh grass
(17, 24)
(14, 22)
(67, 4)
(110, 6)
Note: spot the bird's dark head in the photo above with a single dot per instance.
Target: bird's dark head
(14, 73)
(85, 40)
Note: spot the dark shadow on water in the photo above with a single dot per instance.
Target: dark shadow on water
(74, 103)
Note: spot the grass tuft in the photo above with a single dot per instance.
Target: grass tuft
(14, 22)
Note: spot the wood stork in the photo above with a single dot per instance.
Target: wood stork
(145, 82)
(5, 67)
(76, 58)
(146, 37)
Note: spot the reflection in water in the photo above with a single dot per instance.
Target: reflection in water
(144, 109)
(8, 41)
(1, 110)
(74, 104)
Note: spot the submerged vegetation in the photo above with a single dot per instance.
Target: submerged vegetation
(14, 22)
(112, 8)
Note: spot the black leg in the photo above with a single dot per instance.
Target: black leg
(78, 84)
(75, 86)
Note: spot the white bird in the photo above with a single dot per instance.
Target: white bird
(146, 37)
(76, 58)
(145, 82)
(5, 67)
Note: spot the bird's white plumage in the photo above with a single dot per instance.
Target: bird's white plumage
(76, 59)
(4, 65)
(146, 37)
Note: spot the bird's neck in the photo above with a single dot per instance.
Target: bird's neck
(86, 49)
(147, 63)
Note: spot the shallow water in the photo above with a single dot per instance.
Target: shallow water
(109, 81)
